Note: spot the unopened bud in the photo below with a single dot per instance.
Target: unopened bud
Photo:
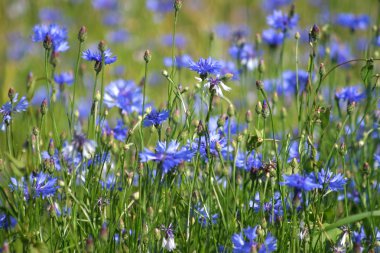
(82, 34)
(265, 110)
(221, 120)
(261, 66)
(314, 34)
(51, 148)
(322, 70)
(259, 107)
(147, 56)
(11, 94)
(44, 107)
(165, 73)
(48, 43)
(231, 110)
(102, 46)
(248, 117)
(90, 244)
(297, 36)
(177, 5)
(350, 107)
(259, 85)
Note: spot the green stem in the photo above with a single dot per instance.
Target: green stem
(74, 88)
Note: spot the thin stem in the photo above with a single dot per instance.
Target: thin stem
(75, 85)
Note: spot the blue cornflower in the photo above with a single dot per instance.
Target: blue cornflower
(280, 21)
(40, 185)
(350, 94)
(205, 66)
(241, 245)
(179, 40)
(57, 35)
(300, 182)
(155, 118)
(161, 6)
(64, 77)
(249, 162)
(339, 52)
(53, 160)
(275, 4)
(50, 15)
(229, 67)
(352, 21)
(168, 155)
(118, 36)
(327, 179)
(7, 221)
(12, 107)
(64, 211)
(245, 54)
(97, 56)
(105, 4)
(79, 145)
(204, 217)
(215, 142)
(352, 193)
(111, 182)
(357, 239)
(290, 81)
(272, 37)
(120, 131)
(125, 95)
(294, 151)
(215, 84)
(181, 61)
(17, 46)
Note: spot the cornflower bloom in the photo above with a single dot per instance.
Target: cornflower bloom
(204, 67)
(204, 217)
(353, 22)
(80, 145)
(281, 21)
(167, 155)
(64, 78)
(216, 84)
(7, 221)
(241, 245)
(245, 54)
(350, 94)
(125, 95)
(88, 55)
(180, 61)
(168, 240)
(11, 107)
(53, 34)
(300, 182)
(179, 40)
(273, 38)
(327, 179)
(155, 118)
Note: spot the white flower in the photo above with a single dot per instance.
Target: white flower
(168, 243)
(215, 84)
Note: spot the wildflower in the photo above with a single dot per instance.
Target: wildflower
(329, 180)
(7, 221)
(160, 6)
(118, 36)
(250, 162)
(181, 61)
(50, 15)
(156, 118)
(272, 38)
(300, 182)
(350, 94)
(352, 193)
(230, 67)
(168, 240)
(281, 21)
(275, 4)
(11, 107)
(125, 95)
(81, 145)
(354, 22)
(17, 46)
(65, 77)
(120, 131)
(204, 217)
(215, 84)
(110, 183)
(204, 67)
(53, 32)
(167, 155)
(97, 56)
(105, 4)
(179, 40)
(40, 185)
(245, 54)
(241, 245)
(52, 159)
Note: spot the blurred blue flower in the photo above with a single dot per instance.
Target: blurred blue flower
(352, 192)
(272, 37)
(300, 182)
(377, 41)
(338, 52)
(160, 6)
(9, 108)
(245, 244)
(350, 93)
(245, 54)
(168, 155)
(249, 162)
(205, 66)
(229, 67)
(57, 35)
(97, 56)
(204, 216)
(112, 18)
(280, 21)
(64, 78)
(105, 4)
(7, 221)
(181, 61)
(111, 182)
(50, 15)
(118, 36)
(17, 46)
(352, 21)
(125, 95)
(120, 131)
(179, 40)
(270, 5)
(54, 159)
(155, 118)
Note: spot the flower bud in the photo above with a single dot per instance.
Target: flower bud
(314, 34)
(44, 107)
(259, 107)
(350, 107)
(231, 110)
(177, 5)
(297, 36)
(165, 73)
(259, 85)
(265, 110)
(258, 39)
(322, 70)
(104, 232)
(102, 46)
(82, 34)
(261, 66)
(11, 94)
(51, 148)
(147, 56)
(248, 117)
(90, 244)
(221, 120)
(48, 43)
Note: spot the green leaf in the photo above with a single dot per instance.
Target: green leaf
(325, 116)
(351, 219)
(253, 142)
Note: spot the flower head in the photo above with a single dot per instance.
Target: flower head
(300, 182)
(245, 244)
(280, 21)
(7, 221)
(12, 107)
(354, 22)
(204, 67)
(88, 55)
(168, 155)
(155, 118)
(53, 32)
(350, 94)
(125, 95)
(181, 61)
(329, 180)
(216, 84)
(64, 77)
(273, 38)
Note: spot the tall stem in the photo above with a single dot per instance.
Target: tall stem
(74, 88)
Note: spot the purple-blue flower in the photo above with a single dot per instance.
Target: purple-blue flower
(205, 66)
(7, 221)
(245, 54)
(280, 21)
(246, 243)
(155, 118)
(300, 182)
(272, 37)
(352, 21)
(328, 180)
(57, 35)
(181, 61)
(97, 56)
(118, 36)
(168, 155)
(125, 95)
(40, 185)
(204, 216)
(350, 93)
(9, 108)
(64, 78)
(53, 160)
(105, 4)
(160, 6)
(179, 40)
